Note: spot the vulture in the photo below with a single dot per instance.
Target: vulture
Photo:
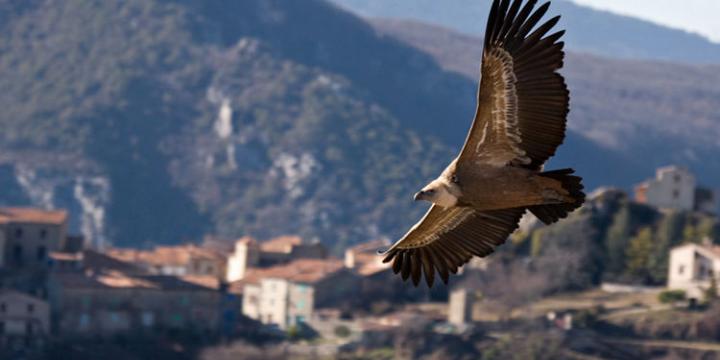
(520, 120)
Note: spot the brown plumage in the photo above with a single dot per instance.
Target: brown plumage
(520, 121)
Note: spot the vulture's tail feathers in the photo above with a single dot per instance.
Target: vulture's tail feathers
(573, 184)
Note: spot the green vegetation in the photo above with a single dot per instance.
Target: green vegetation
(342, 331)
(626, 242)
(671, 296)
(711, 293)
(617, 239)
(639, 255)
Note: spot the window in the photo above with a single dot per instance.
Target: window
(148, 318)
(43, 233)
(18, 233)
(3, 308)
(84, 321)
(2, 327)
(681, 269)
(17, 253)
(676, 194)
(28, 328)
(30, 308)
(40, 254)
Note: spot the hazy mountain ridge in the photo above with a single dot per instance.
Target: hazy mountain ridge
(648, 113)
(589, 30)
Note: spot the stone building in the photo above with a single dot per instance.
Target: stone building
(245, 255)
(24, 320)
(248, 253)
(107, 303)
(460, 306)
(673, 188)
(693, 268)
(181, 260)
(288, 294)
(27, 236)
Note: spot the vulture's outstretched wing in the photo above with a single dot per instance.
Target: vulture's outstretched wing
(445, 239)
(522, 100)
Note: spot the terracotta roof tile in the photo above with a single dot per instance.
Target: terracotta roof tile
(33, 216)
(367, 262)
(166, 255)
(118, 280)
(207, 281)
(281, 244)
(370, 246)
(247, 240)
(307, 271)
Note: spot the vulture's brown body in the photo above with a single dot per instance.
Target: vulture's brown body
(520, 121)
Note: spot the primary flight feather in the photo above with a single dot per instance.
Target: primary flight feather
(480, 197)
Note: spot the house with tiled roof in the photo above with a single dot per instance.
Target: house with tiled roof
(693, 268)
(288, 294)
(287, 248)
(249, 253)
(109, 302)
(28, 235)
(377, 280)
(180, 260)
(675, 188)
(363, 258)
(24, 320)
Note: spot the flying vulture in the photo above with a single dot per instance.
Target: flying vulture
(522, 105)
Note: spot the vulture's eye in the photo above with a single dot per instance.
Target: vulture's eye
(429, 192)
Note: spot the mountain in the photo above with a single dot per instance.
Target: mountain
(158, 121)
(641, 114)
(589, 30)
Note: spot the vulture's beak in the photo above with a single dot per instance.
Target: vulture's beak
(420, 195)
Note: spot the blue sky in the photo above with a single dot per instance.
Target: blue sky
(698, 16)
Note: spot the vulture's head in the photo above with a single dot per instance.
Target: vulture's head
(439, 193)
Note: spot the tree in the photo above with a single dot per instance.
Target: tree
(711, 293)
(669, 233)
(708, 227)
(638, 255)
(616, 241)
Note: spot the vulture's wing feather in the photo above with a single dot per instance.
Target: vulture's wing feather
(522, 100)
(445, 239)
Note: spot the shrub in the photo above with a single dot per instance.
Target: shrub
(342, 331)
(671, 296)
(293, 332)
